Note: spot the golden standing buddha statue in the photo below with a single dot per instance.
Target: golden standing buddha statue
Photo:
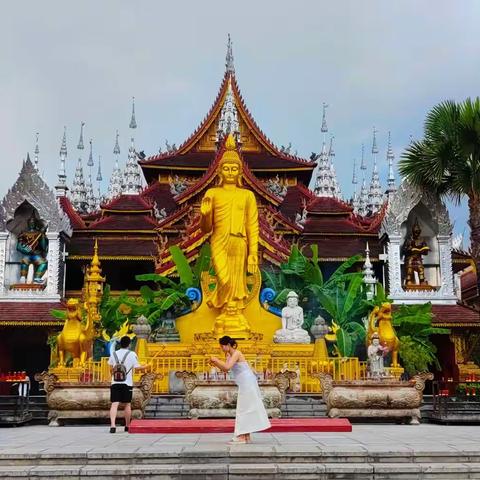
(230, 213)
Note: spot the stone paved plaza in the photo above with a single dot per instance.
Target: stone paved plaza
(368, 452)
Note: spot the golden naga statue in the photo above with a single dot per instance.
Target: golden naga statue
(413, 249)
(75, 337)
(380, 322)
(229, 212)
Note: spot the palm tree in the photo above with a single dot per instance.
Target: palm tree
(447, 160)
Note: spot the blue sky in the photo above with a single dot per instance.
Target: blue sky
(376, 63)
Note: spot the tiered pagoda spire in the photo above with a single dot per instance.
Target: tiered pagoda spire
(375, 195)
(337, 193)
(132, 178)
(228, 121)
(355, 197)
(36, 152)
(363, 198)
(369, 275)
(116, 180)
(61, 187)
(78, 195)
(229, 65)
(99, 179)
(325, 180)
(90, 195)
(391, 187)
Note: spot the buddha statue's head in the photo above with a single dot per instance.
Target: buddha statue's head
(292, 299)
(230, 166)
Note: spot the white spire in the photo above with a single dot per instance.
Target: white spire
(133, 122)
(228, 121)
(99, 170)
(36, 152)
(333, 176)
(355, 198)
(116, 182)
(354, 176)
(368, 275)
(363, 197)
(229, 66)
(90, 156)
(322, 171)
(90, 195)
(115, 186)
(78, 194)
(363, 166)
(131, 176)
(375, 196)
(325, 179)
(99, 179)
(132, 179)
(61, 187)
(363, 200)
(80, 140)
(391, 175)
(324, 128)
(116, 148)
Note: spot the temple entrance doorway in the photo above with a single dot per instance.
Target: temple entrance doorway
(25, 349)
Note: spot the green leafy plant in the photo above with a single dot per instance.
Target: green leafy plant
(340, 297)
(413, 325)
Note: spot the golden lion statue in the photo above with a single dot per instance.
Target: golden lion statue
(380, 321)
(75, 338)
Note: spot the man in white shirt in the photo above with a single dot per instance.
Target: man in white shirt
(121, 390)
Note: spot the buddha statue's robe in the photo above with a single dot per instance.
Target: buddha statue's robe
(233, 221)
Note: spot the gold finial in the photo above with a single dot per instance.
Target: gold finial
(95, 272)
(230, 155)
(230, 142)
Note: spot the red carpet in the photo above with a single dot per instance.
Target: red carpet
(226, 425)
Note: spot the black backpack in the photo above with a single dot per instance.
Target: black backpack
(119, 371)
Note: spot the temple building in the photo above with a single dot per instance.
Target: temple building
(154, 201)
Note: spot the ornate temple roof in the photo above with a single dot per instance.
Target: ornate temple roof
(198, 151)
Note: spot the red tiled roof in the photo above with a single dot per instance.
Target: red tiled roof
(455, 315)
(29, 313)
(75, 219)
(338, 248)
(294, 200)
(117, 247)
(328, 205)
(125, 222)
(128, 203)
(468, 282)
(330, 224)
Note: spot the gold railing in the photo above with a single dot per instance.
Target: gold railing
(339, 368)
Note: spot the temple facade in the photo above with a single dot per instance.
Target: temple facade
(154, 203)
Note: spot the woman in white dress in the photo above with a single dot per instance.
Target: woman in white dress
(251, 415)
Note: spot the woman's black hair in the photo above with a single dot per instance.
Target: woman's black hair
(226, 340)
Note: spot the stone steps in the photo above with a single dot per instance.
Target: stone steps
(244, 462)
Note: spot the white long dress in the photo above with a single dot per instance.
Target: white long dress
(251, 415)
